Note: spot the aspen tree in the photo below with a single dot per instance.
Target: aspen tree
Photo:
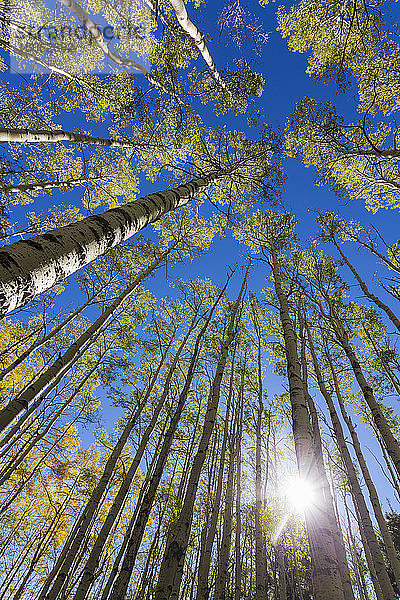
(373, 495)
(221, 581)
(57, 254)
(203, 588)
(260, 558)
(362, 284)
(322, 476)
(63, 363)
(48, 136)
(169, 578)
(191, 29)
(121, 584)
(391, 444)
(238, 516)
(270, 234)
(358, 497)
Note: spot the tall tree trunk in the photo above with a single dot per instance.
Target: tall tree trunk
(225, 547)
(169, 578)
(51, 136)
(370, 295)
(30, 267)
(356, 491)
(379, 419)
(64, 362)
(261, 590)
(121, 584)
(373, 494)
(192, 31)
(203, 590)
(323, 482)
(326, 578)
(238, 501)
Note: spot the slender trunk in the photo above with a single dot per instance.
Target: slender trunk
(323, 483)
(373, 495)
(30, 267)
(356, 491)
(87, 576)
(391, 376)
(238, 502)
(261, 591)
(370, 295)
(10, 468)
(326, 578)
(171, 567)
(203, 590)
(51, 136)
(225, 548)
(192, 31)
(62, 364)
(121, 584)
(379, 419)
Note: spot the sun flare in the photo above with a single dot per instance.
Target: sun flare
(300, 494)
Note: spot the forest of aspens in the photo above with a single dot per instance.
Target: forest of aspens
(199, 300)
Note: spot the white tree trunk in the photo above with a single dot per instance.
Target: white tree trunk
(65, 361)
(29, 267)
(51, 136)
(190, 28)
(326, 580)
(356, 491)
(119, 60)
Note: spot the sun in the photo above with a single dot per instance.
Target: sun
(301, 494)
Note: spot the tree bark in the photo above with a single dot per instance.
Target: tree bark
(323, 483)
(30, 267)
(190, 28)
(39, 186)
(225, 547)
(169, 578)
(326, 578)
(51, 136)
(356, 491)
(63, 363)
(203, 590)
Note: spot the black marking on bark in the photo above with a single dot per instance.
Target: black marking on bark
(53, 239)
(34, 243)
(109, 232)
(7, 261)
